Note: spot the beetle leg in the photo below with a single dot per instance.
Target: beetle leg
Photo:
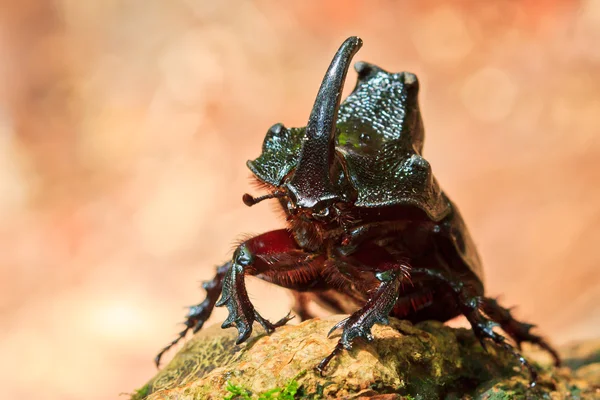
(470, 307)
(199, 313)
(375, 311)
(483, 329)
(518, 331)
(273, 256)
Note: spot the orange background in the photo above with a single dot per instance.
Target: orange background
(125, 127)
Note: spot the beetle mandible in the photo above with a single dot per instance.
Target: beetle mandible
(369, 231)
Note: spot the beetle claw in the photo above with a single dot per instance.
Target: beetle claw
(244, 334)
(337, 326)
(270, 326)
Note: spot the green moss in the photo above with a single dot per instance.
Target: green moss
(501, 396)
(237, 392)
(575, 391)
(141, 393)
(288, 392)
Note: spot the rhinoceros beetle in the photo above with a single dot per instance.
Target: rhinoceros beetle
(369, 231)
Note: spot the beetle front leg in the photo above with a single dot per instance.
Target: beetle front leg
(271, 255)
(375, 311)
(235, 297)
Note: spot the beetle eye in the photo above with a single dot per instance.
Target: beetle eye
(364, 138)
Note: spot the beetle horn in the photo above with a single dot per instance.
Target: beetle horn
(311, 181)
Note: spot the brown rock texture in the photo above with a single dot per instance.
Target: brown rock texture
(405, 361)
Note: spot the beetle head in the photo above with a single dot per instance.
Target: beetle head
(363, 153)
(311, 188)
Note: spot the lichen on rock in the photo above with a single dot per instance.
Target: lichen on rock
(424, 361)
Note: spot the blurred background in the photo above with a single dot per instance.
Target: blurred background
(125, 127)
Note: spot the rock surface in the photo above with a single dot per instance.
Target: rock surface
(425, 361)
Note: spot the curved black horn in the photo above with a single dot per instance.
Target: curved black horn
(311, 181)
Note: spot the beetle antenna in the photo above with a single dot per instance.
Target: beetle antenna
(249, 200)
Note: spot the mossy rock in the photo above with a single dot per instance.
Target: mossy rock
(425, 361)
